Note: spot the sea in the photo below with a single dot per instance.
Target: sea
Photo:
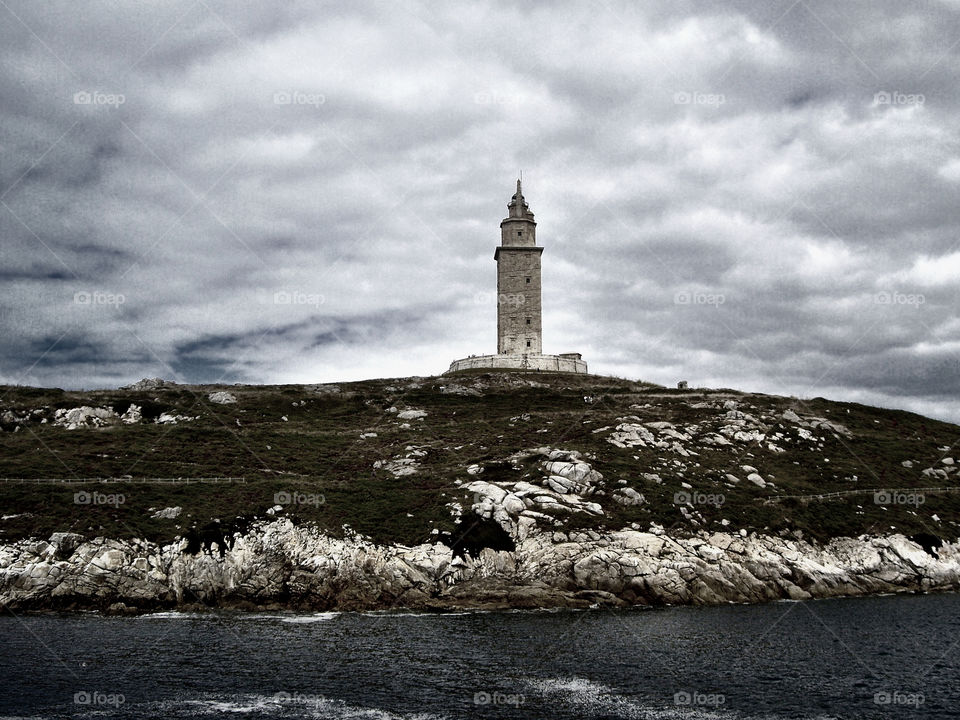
(878, 657)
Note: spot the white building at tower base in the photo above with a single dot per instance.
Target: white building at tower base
(567, 362)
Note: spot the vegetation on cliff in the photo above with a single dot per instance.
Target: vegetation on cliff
(393, 458)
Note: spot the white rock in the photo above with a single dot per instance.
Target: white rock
(512, 504)
(222, 397)
(412, 414)
(628, 496)
(756, 480)
(133, 415)
(171, 419)
(84, 417)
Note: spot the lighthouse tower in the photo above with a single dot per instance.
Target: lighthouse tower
(519, 321)
(519, 325)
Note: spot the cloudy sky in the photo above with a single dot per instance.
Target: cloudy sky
(760, 195)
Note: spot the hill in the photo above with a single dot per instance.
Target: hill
(402, 460)
(476, 490)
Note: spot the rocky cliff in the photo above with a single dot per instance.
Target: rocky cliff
(277, 564)
(478, 490)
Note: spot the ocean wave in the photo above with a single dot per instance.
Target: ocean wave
(415, 614)
(307, 619)
(589, 697)
(281, 704)
(173, 615)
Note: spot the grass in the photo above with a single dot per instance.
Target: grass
(307, 439)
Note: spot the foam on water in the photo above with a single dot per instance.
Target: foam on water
(241, 616)
(591, 697)
(282, 705)
(403, 614)
(173, 615)
(308, 619)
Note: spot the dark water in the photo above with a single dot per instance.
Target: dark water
(886, 657)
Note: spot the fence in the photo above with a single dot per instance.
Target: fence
(873, 491)
(136, 481)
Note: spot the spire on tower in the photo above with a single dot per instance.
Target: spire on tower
(518, 206)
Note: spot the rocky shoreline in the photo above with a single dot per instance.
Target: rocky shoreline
(276, 564)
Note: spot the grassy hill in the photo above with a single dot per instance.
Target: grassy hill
(342, 451)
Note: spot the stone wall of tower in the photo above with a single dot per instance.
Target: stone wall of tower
(518, 232)
(519, 322)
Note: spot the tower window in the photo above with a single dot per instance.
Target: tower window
(528, 343)
(528, 321)
(528, 281)
(519, 233)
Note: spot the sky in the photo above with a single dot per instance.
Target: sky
(754, 195)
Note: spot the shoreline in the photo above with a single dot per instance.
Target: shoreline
(276, 566)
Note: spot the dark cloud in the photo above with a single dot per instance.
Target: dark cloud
(760, 195)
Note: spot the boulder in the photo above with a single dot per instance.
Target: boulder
(412, 414)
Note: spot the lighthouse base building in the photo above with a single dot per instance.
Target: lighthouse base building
(519, 316)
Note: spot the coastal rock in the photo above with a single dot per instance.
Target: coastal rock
(279, 563)
(132, 415)
(150, 384)
(412, 414)
(85, 417)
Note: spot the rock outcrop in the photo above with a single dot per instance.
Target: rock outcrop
(277, 563)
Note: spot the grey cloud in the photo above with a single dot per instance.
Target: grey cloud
(784, 187)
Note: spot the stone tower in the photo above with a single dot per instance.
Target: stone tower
(519, 327)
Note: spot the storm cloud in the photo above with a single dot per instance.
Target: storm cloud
(761, 195)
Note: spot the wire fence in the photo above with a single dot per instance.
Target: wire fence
(872, 491)
(136, 481)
